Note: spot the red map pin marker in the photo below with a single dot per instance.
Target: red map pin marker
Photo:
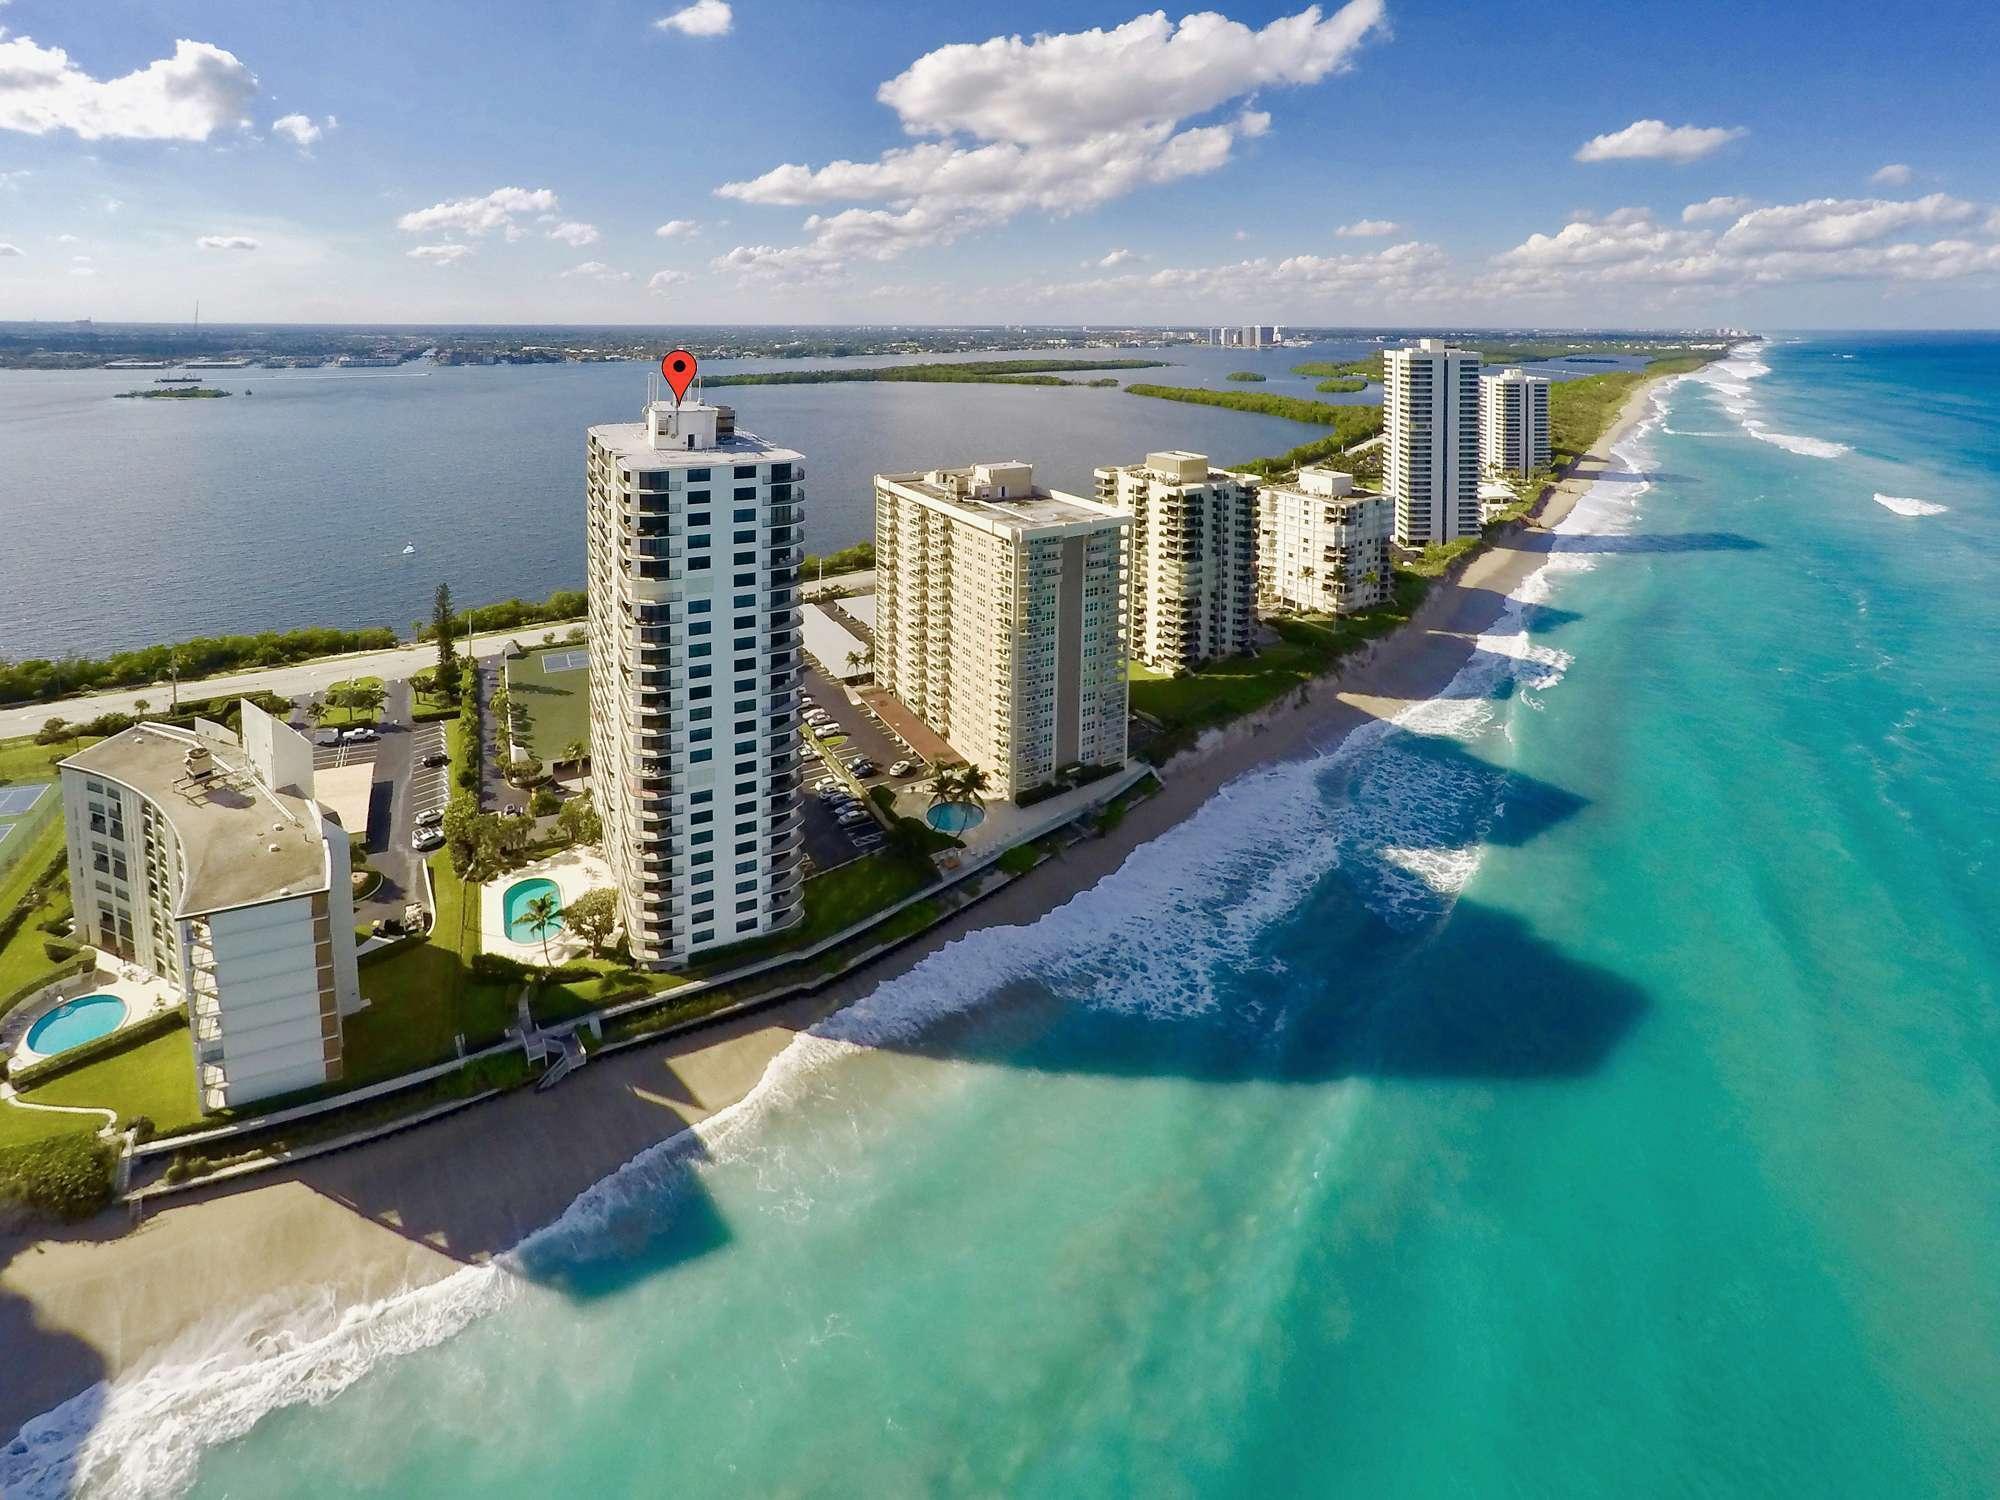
(678, 367)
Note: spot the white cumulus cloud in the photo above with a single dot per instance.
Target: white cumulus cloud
(1716, 208)
(575, 235)
(440, 255)
(298, 129)
(1656, 140)
(1837, 223)
(187, 97)
(1055, 123)
(1362, 229)
(597, 270)
(674, 229)
(7, 249)
(661, 282)
(1116, 258)
(1895, 174)
(703, 18)
(227, 242)
(497, 210)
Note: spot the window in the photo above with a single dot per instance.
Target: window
(703, 857)
(697, 476)
(745, 580)
(745, 601)
(702, 815)
(745, 513)
(697, 649)
(700, 627)
(698, 756)
(746, 471)
(749, 535)
(698, 562)
(698, 672)
(701, 797)
(746, 622)
(698, 517)
(743, 887)
(702, 836)
(705, 937)
(698, 693)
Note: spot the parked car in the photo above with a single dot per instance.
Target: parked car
(828, 784)
(905, 767)
(427, 838)
(326, 737)
(828, 730)
(865, 842)
(814, 715)
(435, 759)
(852, 816)
(862, 767)
(430, 817)
(360, 735)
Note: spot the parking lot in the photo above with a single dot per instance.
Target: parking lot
(827, 841)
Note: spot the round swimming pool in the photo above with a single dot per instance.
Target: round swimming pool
(955, 817)
(75, 1022)
(514, 909)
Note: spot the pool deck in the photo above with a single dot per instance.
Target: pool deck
(574, 871)
(144, 996)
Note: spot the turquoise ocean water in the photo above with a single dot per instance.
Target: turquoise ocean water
(1585, 1086)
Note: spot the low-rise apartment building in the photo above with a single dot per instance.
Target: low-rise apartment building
(1322, 544)
(1000, 618)
(1192, 593)
(201, 857)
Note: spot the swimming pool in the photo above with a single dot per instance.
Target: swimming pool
(75, 1022)
(514, 908)
(955, 817)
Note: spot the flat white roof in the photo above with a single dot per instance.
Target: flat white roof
(828, 642)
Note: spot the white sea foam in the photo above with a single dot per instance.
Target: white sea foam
(1151, 937)
(1729, 382)
(1904, 505)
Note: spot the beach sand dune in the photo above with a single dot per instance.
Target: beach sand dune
(360, 1225)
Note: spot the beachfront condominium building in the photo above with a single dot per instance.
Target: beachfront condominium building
(692, 553)
(1322, 544)
(1000, 618)
(200, 856)
(1430, 419)
(1192, 593)
(1513, 422)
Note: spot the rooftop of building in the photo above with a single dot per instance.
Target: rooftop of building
(1002, 496)
(242, 843)
(633, 442)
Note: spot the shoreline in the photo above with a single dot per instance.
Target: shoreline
(107, 1298)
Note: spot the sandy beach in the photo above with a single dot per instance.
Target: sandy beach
(103, 1298)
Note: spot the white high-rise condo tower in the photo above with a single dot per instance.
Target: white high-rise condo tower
(1430, 414)
(693, 552)
(1513, 422)
(1193, 589)
(1000, 618)
(201, 856)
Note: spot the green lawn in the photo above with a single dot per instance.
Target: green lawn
(154, 1079)
(425, 707)
(21, 1127)
(422, 995)
(555, 706)
(349, 718)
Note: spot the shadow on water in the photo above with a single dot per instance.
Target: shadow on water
(1672, 541)
(44, 1367)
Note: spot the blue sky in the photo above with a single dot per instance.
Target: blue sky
(1383, 162)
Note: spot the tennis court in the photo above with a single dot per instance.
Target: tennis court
(15, 800)
(565, 661)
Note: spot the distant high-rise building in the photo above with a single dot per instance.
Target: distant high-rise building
(1430, 418)
(201, 856)
(1322, 545)
(1513, 422)
(1000, 618)
(1193, 579)
(693, 550)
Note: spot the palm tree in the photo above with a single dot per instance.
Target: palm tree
(542, 916)
(857, 661)
(317, 710)
(140, 705)
(576, 752)
(943, 785)
(973, 782)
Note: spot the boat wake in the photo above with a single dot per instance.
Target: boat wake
(1394, 808)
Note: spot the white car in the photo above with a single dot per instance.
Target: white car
(814, 715)
(905, 767)
(828, 730)
(326, 737)
(848, 817)
(361, 736)
(426, 838)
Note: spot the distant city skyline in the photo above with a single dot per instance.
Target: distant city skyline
(1379, 163)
